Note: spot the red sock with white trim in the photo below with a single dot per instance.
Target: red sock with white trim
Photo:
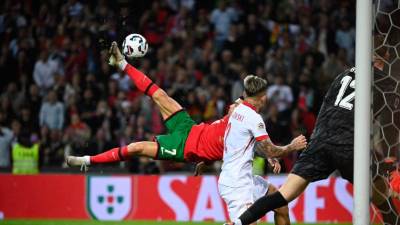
(142, 82)
(112, 155)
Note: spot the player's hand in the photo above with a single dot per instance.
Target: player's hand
(299, 143)
(199, 168)
(274, 163)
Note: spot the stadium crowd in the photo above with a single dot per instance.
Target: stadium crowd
(58, 91)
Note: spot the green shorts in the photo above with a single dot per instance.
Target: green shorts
(172, 144)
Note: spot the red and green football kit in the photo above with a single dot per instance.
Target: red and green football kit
(186, 141)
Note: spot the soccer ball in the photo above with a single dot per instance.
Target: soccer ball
(134, 45)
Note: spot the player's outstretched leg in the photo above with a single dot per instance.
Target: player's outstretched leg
(291, 189)
(168, 106)
(143, 148)
(281, 215)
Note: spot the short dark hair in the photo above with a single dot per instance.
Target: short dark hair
(254, 85)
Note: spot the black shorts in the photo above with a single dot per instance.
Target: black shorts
(320, 159)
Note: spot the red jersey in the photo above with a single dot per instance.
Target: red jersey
(205, 142)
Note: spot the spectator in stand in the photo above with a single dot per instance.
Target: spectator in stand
(202, 28)
(29, 123)
(52, 148)
(77, 135)
(101, 141)
(6, 138)
(153, 23)
(52, 112)
(192, 71)
(87, 108)
(34, 100)
(74, 8)
(237, 87)
(15, 96)
(112, 95)
(277, 128)
(74, 87)
(345, 38)
(177, 23)
(45, 71)
(25, 155)
(256, 33)
(281, 95)
(222, 18)
(275, 63)
(124, 83)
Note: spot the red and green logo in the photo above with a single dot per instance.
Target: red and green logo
(109, 198)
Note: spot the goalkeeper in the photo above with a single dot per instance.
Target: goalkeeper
(331, 146)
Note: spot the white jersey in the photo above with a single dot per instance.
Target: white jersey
(245, 127)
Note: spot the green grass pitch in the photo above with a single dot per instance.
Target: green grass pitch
(93, 222)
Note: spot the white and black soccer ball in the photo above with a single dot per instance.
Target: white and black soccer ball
(134, 46)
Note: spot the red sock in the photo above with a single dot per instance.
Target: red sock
(112, 155)
(142, 82)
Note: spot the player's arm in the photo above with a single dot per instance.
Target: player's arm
(266, 147)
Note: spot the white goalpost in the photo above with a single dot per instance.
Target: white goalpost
(362, 113)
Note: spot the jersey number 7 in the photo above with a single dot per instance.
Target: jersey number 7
(169, 151)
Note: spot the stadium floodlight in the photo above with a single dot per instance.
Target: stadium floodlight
(362, 112)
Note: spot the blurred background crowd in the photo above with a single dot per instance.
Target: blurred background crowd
(58, 93)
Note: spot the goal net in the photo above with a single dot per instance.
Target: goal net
(386, 111)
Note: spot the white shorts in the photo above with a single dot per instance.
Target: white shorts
(238, 199)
